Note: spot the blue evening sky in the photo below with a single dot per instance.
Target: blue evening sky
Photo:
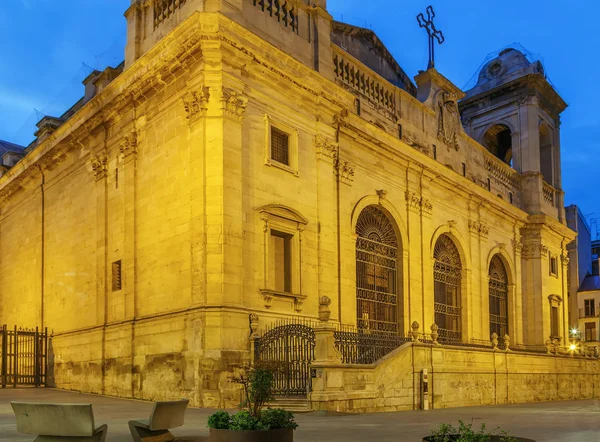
(49, 46)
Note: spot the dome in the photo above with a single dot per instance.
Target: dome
(507, 66)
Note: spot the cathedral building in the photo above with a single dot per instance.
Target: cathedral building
(260, 182)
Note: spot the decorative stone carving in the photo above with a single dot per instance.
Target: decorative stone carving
(324, 309)
(415, 331)
(477, 228)
(196, 103)
(517, 245)
(494, 340)
(345, 170)
(382, 194)
(326, 149)
(434, 334)
(449, 124)
(253, 325)
(298, 303)
(426, 206)
(267, 298)
(233, 104)
(99, 167)
(128, 146)
(452, 224)
(506, 342)
(415, 202)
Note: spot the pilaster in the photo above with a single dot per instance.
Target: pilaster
(99, 165)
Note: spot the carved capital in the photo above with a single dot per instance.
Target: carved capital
(426, 206)
(413, 201)
(128, 146)
(517, 246)
(233, 104)
(345, 171)
(479, 229)
(196, 103)
(326, 149)
(99, 167)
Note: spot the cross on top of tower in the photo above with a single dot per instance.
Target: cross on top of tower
(432, 32)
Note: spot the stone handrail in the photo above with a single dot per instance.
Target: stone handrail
(163, 9)
(284, 11)
(361, 79)
(549, 194)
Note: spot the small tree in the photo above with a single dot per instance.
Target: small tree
(257, 387)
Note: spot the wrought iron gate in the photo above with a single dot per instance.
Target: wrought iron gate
(24, 356)
(291, 349)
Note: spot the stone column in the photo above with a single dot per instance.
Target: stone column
(476, 306)
(99, 168)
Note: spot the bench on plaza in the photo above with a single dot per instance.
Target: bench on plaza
(165, 416)
(58, 422)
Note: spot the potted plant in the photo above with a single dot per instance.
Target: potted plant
(253, 423)
(466, 433)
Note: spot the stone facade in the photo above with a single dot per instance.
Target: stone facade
(140, 229)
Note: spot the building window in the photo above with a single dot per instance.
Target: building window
(590, 309)
(554, 328)
(377, 273)
(282, 229)
(116, 276)
(400, 131)
(498, 286)
(447, 275)
(590, 331)
(464, 169)
(281, 149)
(553, 266)
(280, 142)
(434, 152)
(281, 262)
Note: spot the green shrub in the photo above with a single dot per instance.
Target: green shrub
(243, 421)
(221, 420)
(276, 418)
(466, 433)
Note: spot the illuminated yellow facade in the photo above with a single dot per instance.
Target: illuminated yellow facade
(148, 226)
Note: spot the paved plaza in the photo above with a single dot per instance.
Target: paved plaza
(573, 421)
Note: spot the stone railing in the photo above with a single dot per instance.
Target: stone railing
(503, 172)
(163, 9)
(549, 194)
(282, 10)
(357, 76)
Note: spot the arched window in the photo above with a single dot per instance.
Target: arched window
(498, 297)
(447, 273)
(546, 154)
(498, 140)
(377, 272)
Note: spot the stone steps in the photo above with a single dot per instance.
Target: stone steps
(295, 405)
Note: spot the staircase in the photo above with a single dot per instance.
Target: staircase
(296, 405)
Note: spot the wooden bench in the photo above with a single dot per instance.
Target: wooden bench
(58, 422)
(165, 415)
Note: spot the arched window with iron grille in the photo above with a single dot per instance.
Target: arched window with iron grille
(498, 278)
(377, 273)
(447, 274)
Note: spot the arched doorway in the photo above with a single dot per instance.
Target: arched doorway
(377, 273)
(498, 284)
(447, 275)
(498, 140)
(546, 154)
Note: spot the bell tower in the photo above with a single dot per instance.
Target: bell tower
(515, 113)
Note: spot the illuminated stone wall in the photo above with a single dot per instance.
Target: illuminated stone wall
(167, 170)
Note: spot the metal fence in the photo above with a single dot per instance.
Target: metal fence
(24, 356)
(358, 346)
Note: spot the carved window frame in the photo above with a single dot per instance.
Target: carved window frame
(555, 303)
(292, 134)
(283, 219)
(553, 264)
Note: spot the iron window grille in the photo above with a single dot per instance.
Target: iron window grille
(280, 146)
(447, 273)
(498, 285)
(376, 272)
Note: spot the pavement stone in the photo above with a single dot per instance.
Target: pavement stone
(568, 421)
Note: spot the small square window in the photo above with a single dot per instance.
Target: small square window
(116, 276)
(280, 146)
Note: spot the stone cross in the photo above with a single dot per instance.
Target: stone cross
(432, 32)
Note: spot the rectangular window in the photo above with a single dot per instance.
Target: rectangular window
(357, 107)
(553, 265)
(554, 330)
(434, 152)
(116, 276)
(281, 263)
(510, 197)
(280, 146)
(590, 309)
(464, 167)
(400, 131)
(489, 184)
(590, 331)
